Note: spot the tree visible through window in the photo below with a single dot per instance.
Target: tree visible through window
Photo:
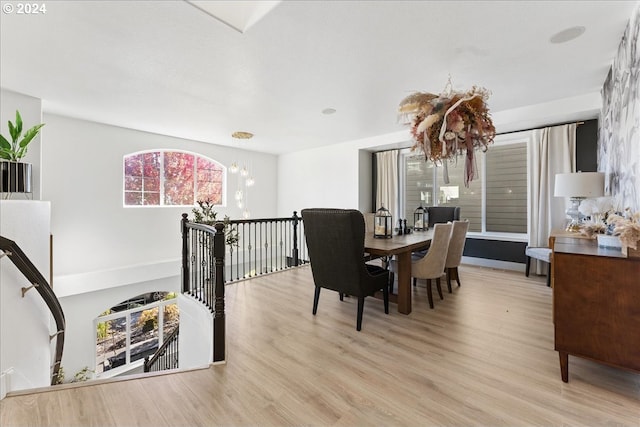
(171, 178)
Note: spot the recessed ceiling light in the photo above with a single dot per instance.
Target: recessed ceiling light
(567, 35)
(328, 111)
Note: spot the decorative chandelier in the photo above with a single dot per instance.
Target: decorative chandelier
(449, 124)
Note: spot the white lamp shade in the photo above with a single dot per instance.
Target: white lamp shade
(580, 184)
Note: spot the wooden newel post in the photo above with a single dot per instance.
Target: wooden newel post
(185, 252)
(218, 315)
(295, 238)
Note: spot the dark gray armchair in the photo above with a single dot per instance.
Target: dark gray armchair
(443, 214)
(335, 241)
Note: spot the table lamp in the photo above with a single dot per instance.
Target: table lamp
(578, 186)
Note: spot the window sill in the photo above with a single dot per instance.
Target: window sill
(506, 237)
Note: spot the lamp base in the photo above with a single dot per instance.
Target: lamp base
(573, 227)
(573, 213)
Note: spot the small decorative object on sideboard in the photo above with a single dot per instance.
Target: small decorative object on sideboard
(609, 241)
(616, 231)
(15, 176)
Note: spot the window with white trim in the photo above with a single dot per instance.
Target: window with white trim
(132, 330)
(172, 178)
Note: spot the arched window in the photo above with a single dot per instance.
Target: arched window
(172, 178)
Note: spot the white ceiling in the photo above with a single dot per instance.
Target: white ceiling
(171, 68)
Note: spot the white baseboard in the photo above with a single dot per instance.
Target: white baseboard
(5, 382)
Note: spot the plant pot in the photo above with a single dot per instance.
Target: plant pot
(608, 241)
(15, 177)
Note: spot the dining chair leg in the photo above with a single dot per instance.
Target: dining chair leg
(360, 310)
(449, 279)
(439, 288)
(415, 281)
(316, 296)
(457, 273)
(429, 296)
(385, 298)
(341, 296)
(526, 272)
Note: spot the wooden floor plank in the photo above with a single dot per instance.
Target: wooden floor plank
(483, 356)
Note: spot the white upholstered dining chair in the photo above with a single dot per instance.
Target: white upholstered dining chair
(454, 254)
(431, 266)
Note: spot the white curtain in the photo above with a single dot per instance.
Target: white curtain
(551, 150)
(387, 182)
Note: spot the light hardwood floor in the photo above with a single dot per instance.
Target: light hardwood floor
(483, 356)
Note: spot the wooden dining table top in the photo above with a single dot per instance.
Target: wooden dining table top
(398, 243)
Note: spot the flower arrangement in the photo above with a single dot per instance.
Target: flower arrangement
(627, 227)
(598, 210)
(605, 220)
(447, 125)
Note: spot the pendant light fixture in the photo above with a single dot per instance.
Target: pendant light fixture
(244, 177)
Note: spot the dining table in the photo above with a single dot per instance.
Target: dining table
(400, 246)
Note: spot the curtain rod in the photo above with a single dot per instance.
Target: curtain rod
(547, 126)
(578, 123)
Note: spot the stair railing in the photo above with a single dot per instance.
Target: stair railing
(203, 251)
(166, 357)
(37, 280)
(265, 246)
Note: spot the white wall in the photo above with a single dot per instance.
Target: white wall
(195, 344)
(322, 177)
(31, 112)
(365, 181)
(25, 323)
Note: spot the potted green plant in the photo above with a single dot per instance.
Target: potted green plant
(15, 176)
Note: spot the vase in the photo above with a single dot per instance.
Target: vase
(608, 241)
(15, 177)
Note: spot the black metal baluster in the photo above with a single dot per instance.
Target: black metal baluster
(295, 239)
(211, 274)
(194, 261)
(185, 252)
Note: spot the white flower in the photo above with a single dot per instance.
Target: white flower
(588, 207)
(598, 206)
(427, 122)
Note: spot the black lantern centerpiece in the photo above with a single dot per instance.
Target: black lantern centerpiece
(383, 224)
(420, 219)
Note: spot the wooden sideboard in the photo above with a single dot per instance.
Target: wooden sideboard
(596, 304)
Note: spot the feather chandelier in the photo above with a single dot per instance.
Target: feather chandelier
(450, 124)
